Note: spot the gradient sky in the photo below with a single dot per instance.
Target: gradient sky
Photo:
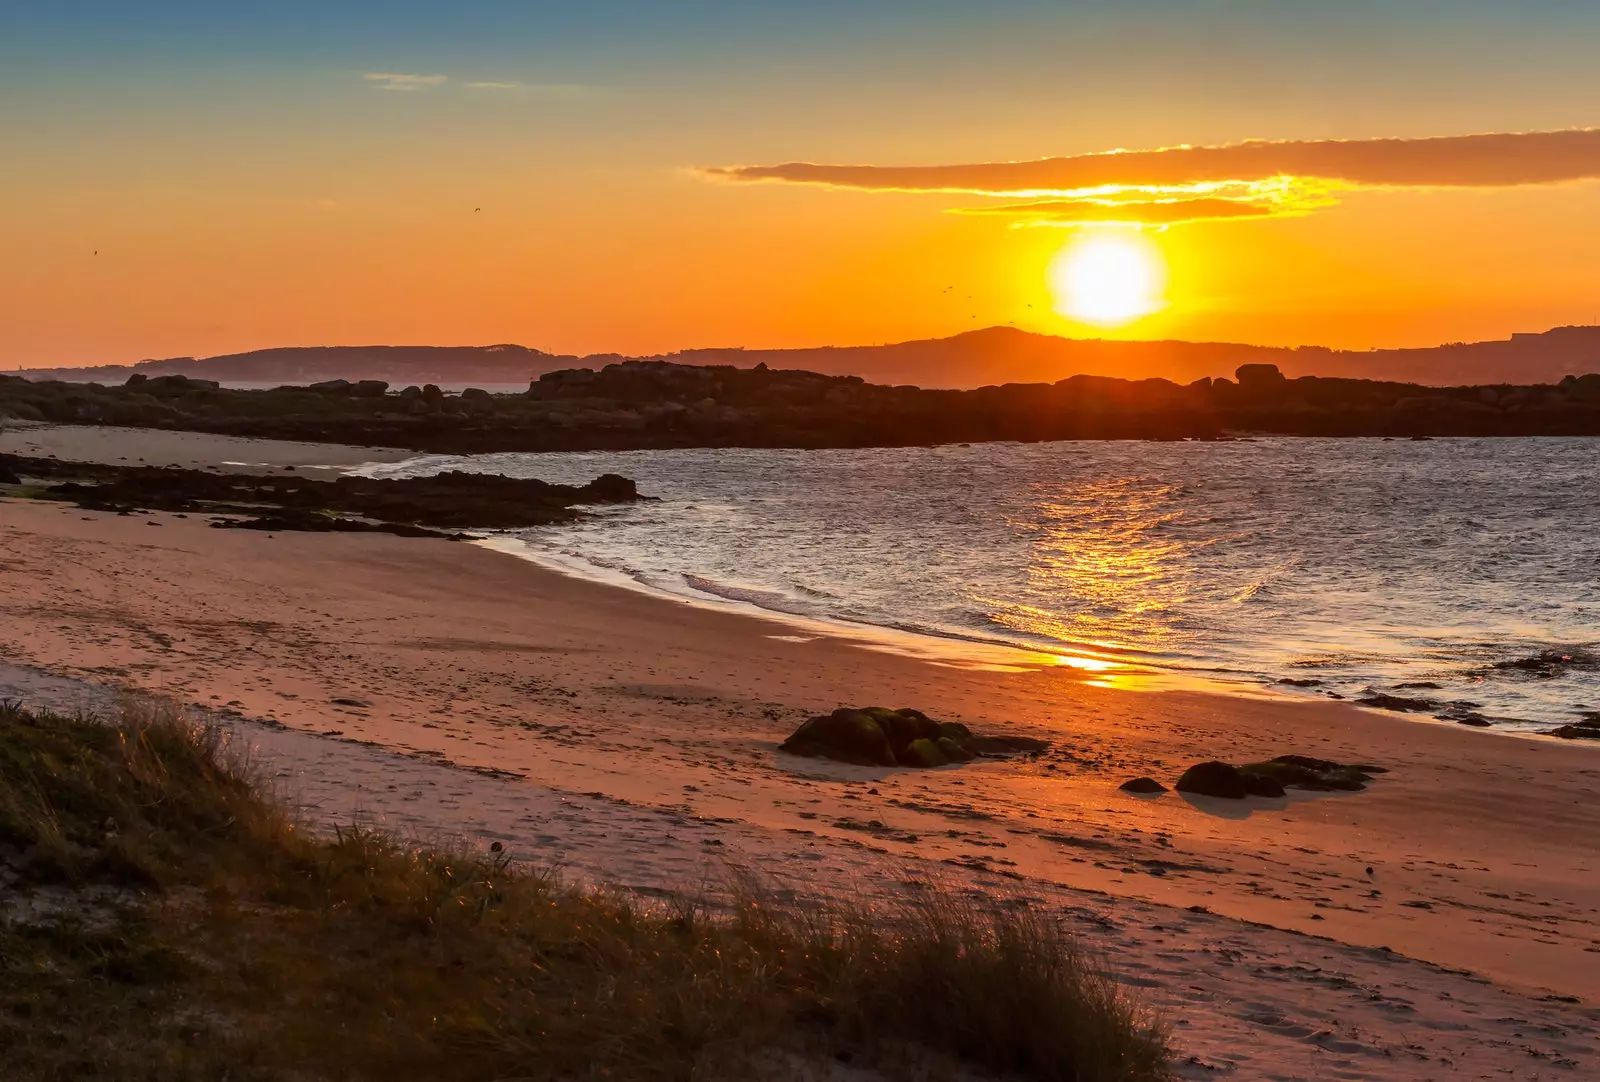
(289, 173)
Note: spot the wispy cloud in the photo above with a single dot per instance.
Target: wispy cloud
(393, 80)
(1238, 180)
(541, 90)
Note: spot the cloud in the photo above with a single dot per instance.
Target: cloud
(543, 90)
(1471, 161)
(1252, 179)
(1132, 212)
(390, 80)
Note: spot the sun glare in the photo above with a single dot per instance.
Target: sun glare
(1109, 278)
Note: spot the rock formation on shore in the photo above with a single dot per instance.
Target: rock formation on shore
(651, 404)
(877, 736)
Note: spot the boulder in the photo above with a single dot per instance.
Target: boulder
(411, 392)
(1587, 729)
(1213, 778)
(1274, 777)
(8, 476)
(1400, 703)
(1142, 785)
(879, 736)
(334, 386)
(924, 753)
(850, 736)
(953, 751)
(370, 388)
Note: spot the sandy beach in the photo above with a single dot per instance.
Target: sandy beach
(1443, 924)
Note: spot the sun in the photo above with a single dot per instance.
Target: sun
(1109, 278)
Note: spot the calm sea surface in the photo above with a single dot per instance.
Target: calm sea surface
(1361, 564)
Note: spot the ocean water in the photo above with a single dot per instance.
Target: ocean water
(1351, 566)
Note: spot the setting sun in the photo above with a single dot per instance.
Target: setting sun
(1108, 278)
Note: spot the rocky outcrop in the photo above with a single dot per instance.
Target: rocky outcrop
(1587, 729)
(878, 736)
(660, 404)
(1273, 777)
(1403, 704)
(8, 476)
(447, 501)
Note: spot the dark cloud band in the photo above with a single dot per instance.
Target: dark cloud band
(1495, 160)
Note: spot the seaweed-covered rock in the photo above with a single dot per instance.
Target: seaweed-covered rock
(1142, 785)
(1548, 664)
(1274, 777)
(923, 753)
(878, 736)
(1400, 703)
(1587, 729)
(1213, 778)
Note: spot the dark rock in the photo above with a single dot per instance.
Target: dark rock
(454, 500)
(1300, 682)
(850, 736)
(953, 751)
(1318, 775)
(879, 736)
(1008, 745)
(1259, 783)
(1400, 703)
(1142, 785)
(1476, 720)
(370, 388)
(923, 753)
(1273, 777)
(1547, 664)
(411, 392)
(337, 386)
(1587, 729)
(1417, 685)
(8, 476)
(1213, 778)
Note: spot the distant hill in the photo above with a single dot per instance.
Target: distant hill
(994, 356)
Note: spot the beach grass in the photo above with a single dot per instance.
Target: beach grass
(163, 916)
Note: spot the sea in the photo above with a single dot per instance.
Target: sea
(1463, 574)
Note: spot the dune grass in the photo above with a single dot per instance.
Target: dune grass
(164, 919)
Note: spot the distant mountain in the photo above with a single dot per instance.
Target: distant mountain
(994, 356)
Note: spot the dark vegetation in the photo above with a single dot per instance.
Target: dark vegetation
(1272, 777)
(418, 506)
(657, 404)
(161, 920)
(878, 736)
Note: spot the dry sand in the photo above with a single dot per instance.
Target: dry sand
(633, 739)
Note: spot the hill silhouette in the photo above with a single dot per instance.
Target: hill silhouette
(996, 355)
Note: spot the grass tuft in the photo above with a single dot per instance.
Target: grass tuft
(173, 922)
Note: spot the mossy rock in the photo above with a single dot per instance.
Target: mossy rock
(923, 753)
(1274, 777)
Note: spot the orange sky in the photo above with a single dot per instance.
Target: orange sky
(273, 193)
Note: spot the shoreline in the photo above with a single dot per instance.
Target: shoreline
(442, 688)
(623, 687)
